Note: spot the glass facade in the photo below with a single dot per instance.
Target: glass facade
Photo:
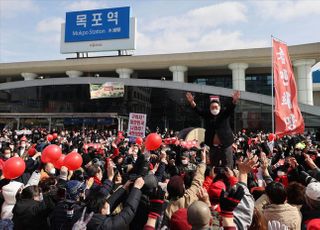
(316, 76)
(164, 108)
(259, 83)
(224, 81)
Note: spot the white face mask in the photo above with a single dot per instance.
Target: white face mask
(184, 162)
(215, 111)
(52, 171)
(23, 145)
(7, 156)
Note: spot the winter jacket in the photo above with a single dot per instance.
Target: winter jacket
(29, 214)
(285, 214)
(9, 194)
(119, 221)
(59, 218)
(243, 213)
(190, 194)
(315, 173)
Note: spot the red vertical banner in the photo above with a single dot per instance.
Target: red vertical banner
(288, 118)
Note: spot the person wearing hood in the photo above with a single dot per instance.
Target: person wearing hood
(218, 134)
(9, 193)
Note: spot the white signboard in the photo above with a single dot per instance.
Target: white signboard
(23, 132)
(99, 45)
(137, 124)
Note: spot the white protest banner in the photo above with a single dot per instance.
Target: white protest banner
(137, 124)
(23, 132)
(107, 90)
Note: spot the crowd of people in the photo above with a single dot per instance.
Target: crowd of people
(248, 180)
(271, 184)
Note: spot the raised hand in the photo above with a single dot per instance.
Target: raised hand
(81, 224)
(235, 96)
(229, 201)
(189, 97)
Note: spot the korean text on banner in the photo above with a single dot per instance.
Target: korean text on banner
(107, 90)
(288, 118)
(137, 124)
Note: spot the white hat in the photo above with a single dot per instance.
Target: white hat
(313, 191)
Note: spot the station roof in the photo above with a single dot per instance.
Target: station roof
(256, 57)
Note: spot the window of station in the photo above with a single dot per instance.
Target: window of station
(316, 76)
(164, 107)
(224, 81)
(259, 83)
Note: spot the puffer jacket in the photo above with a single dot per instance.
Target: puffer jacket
(285, 214)
(9, 194)
(191, 193)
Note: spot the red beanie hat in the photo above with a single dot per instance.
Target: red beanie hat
(215, 190)
(179, 220)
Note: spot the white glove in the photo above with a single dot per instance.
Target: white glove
(81, 224)
(276, 225)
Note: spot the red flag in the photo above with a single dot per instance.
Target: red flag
(288, 118)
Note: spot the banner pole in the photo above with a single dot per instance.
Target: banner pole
(272, 82)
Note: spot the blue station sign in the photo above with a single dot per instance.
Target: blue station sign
(94, 25)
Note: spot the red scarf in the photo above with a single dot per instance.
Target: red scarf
(97, 181)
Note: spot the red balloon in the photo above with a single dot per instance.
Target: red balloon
(183, 144)
(13, 168)
(59, 163)
(49, 137)
(32, 151)
(173, 140)
(73, 161)
(167, 141)
(54, 135)
(271, 137)
(44, 158)
(139, 140)
(51, 153)
(153, 141)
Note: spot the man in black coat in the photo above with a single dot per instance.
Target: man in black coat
(218, 135)
(103, 207)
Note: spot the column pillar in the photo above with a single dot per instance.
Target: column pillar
(304, 80)
(178, 73)
(238, 75)
(74, 73)
(29, 76)
(124, 72)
